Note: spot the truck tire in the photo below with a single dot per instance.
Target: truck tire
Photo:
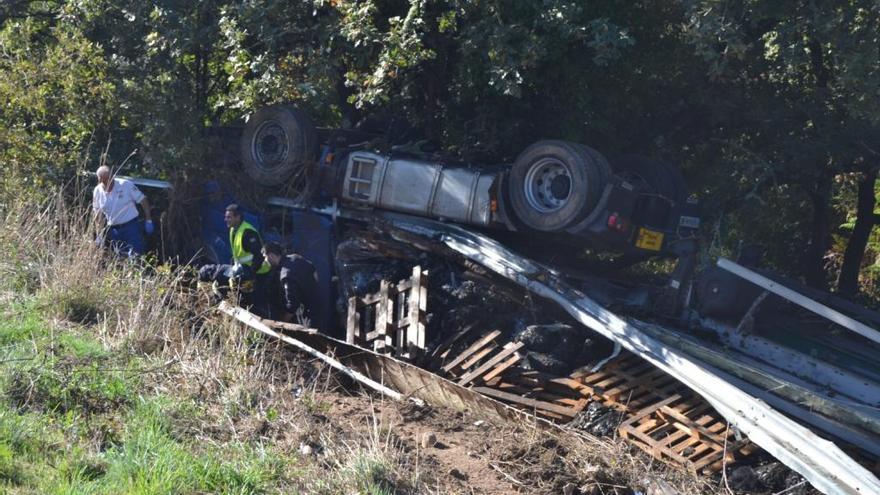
(652, 175)
(279, 142)
(554, 184)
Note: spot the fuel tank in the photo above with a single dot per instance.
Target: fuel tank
(456, 193)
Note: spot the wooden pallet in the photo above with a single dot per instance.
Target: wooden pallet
(630, 384)
(550, 396)
(489, 365)
(391, 320)
(685, 432)
(663, 417)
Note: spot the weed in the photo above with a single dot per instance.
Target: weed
(59, 385)
(313, 405)
(19, 323)
(151, 460)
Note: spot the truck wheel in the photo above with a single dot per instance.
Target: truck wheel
(554, 184)
(652, 175)
(278, 143)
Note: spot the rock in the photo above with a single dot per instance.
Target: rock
(795, 484)
(772, 476)
(558, 338)
(455, 473)
(546, 363)
(743, 479)
(429, 439)
(657, 486)
(305, 449)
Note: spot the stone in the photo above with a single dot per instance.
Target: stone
(429, 439)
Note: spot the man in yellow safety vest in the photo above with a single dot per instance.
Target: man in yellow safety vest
(248, 269)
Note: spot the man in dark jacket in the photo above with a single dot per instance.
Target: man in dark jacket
(293, 286)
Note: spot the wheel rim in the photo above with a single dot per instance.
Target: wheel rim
(548, 185)
(269, 146)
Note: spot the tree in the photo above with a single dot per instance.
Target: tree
(57, 102)
(818, 62)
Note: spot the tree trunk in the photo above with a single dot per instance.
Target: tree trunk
(814, 258)
(848, 280)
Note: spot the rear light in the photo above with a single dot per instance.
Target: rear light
(328, 159)
(493, 206)
(618, 223)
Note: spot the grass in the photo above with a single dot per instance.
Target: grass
(114, 380)
(74, 419)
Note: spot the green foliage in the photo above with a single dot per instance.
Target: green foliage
(57, 95)
(762, 103)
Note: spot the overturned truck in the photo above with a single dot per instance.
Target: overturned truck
(565, 192)
(740, 337)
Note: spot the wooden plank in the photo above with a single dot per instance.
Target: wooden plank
(670, 439)
(801, 300)
(508, 349)
(502, 367)
(646, 380)
(383, 319)
(530, 403)
(352, 323)
(700, 431)
(289, 326)
(714, 462)
(472, 349)
(558, 380)
(478, 356)
(648, 444)
(446, 345)
(415, 335)
(509, 387)
(370, 299)
(558, 385)
(254, 322)
(650, 409)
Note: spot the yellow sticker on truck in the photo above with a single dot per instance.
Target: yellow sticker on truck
(649, 239)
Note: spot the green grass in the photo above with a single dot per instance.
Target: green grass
(79, 417)
(151, 460)
(62, 390)
(19, 322)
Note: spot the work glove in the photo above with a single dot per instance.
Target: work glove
(149, 228)
(237, 271)
(242, 272)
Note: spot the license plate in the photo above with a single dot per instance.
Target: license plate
(649, 239)
(689, 222)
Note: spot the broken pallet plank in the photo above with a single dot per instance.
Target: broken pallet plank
(509, 348)
(530, 403)
(482, 341)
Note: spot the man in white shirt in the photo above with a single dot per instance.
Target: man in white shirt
(114, 202)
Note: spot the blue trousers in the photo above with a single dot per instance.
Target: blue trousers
(127, 239)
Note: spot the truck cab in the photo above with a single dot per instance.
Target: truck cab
(629, 205)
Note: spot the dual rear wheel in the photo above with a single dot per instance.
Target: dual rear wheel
(555, 184)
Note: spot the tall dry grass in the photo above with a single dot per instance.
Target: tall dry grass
(238, 382)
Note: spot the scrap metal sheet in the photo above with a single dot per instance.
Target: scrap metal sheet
(824, 465)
